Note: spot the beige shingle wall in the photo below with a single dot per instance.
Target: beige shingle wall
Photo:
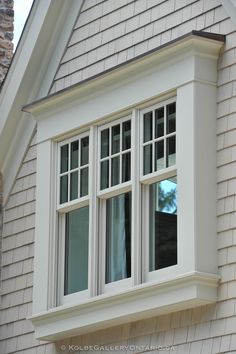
(111, 32)
(209, 329)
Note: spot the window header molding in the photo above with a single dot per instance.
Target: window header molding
(204, 43)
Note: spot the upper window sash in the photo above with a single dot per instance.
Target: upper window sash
(158, 139)
(114, 156)
(73, 171)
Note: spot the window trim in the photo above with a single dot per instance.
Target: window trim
(175, 68)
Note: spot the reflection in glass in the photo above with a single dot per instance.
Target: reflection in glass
(104, 174)
(76, 251)
(118, 238)
(64, 189)
(74, 154)
(74, 185)
(84, 151)
(115, 134)
(159, 122)
(126, 166)
(159, 155)
(126, 139)
(64, 158)
(84, 182)
(171, 119)
(115, 170)
(163, 224)
(147, 159)
(170, 150)
(147, 122)
(104, 143)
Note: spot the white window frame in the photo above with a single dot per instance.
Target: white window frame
(62, 209)
(149, 179)
(107, 193)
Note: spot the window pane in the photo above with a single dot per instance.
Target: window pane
(74, 185)
(159, 155)
(159, 122)
(104, 174)
(115, 171)
(147, 122)
(105, 143)
(64, 189)
(64, 158)
(84, 151)
(171, 118)
(163, 224)
(74, 155)
(126, 139)
(170, 150)
(147, 159)
(84, 182)
(115, 133)
(118, 238)
(126, 166)
(76, 250)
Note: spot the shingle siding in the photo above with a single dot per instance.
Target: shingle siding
(111, 32)
(108, 33)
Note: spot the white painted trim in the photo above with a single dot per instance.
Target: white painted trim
(147, 300)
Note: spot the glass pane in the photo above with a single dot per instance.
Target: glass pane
(118, 238)
(171, 151)
(105, 143)
(147, 159)
(84, 182)
(84, 151)
(104, 174)
(74, 185)
(159, 122)
(64, 189)
(171, 118)
(126, 135)
(74, 155)
(64, 158)
(163, 224)
(115, 134)
(76, 251)
(159, 155)
(147, 122)
(115, 171)
(126, 166)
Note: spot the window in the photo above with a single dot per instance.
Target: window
(135, 178)
(73, 212)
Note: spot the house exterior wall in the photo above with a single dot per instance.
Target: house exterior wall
(207, 329)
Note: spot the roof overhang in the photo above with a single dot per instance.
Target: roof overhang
(209, 44)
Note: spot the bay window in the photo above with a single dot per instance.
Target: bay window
(125, 207)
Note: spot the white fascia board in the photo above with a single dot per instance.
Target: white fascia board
(30, 76)
(230, 8)
(143, 301)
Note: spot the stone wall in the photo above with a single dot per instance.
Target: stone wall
(6, 36)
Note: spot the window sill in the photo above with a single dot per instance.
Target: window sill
(143, 301)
